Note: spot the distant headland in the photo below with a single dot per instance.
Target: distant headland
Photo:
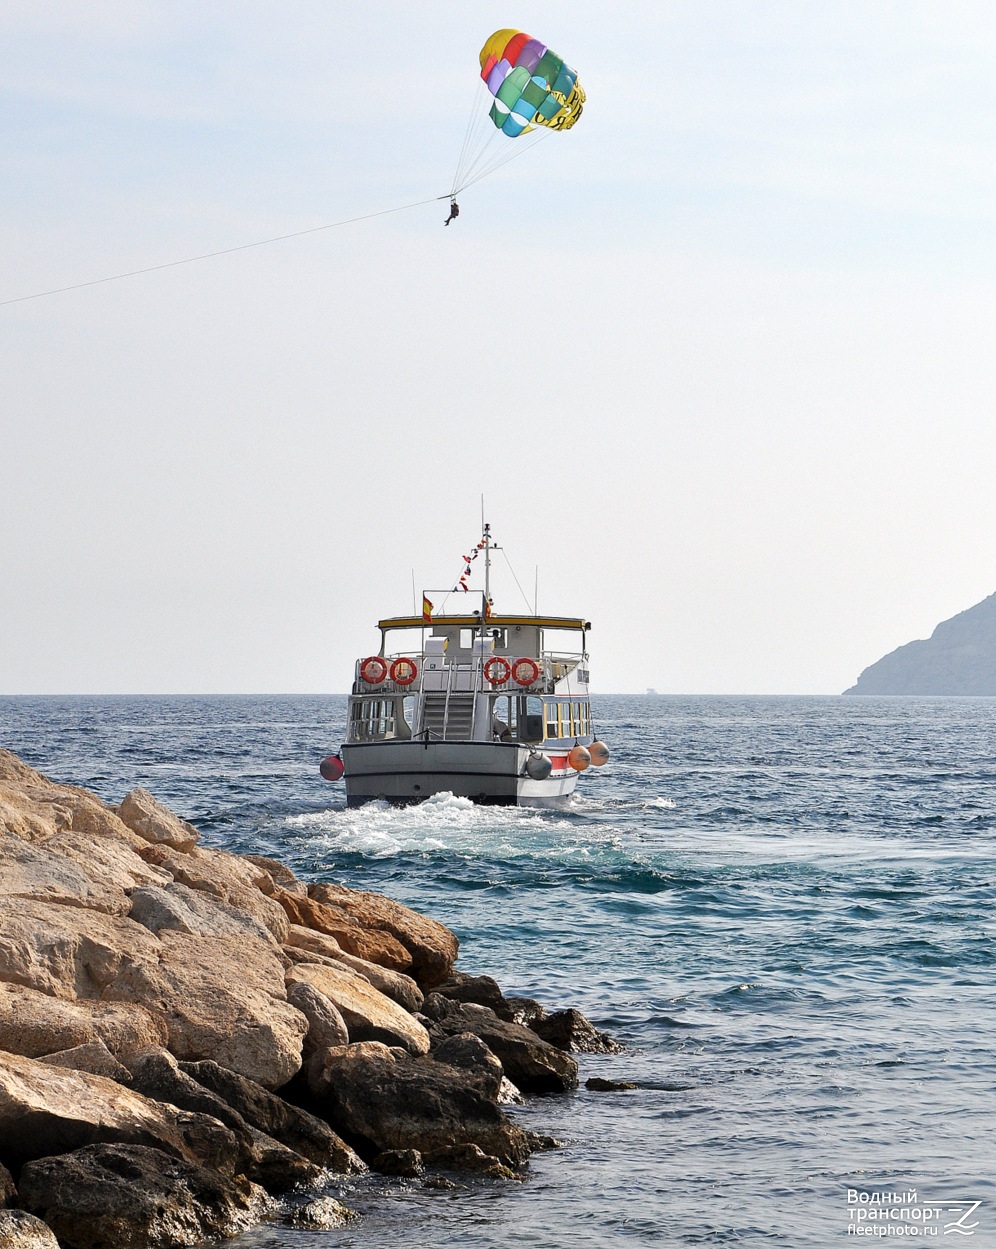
(959, 657)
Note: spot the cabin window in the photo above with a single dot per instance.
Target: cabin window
(531, 718)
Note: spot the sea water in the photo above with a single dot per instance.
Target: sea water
(781, 907)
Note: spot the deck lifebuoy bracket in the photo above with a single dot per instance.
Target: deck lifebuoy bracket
(373, 670)
(497, 670)
(525, 671)
(404, 671)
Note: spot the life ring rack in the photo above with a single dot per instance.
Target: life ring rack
(497, 670)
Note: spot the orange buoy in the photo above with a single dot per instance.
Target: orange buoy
(331, 768)
(373, 670)
(404, 671)
(579, 758)
(599, 753)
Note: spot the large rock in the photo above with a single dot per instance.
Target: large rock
(263, 1159)
(20, 1230)
(326, 1027)
(384, 1099)
(432, 946)
(570, 1030)
(369, 1015)
(31, 870)
(533, 1065)
(226, 877)
(50, 1110)
(402, 989)
(220, 997)
(129, 1197)
(223, 998)
(183, 909)
(69, 952)
(296, 1128)
(156, 823)
(33, 1024)
(373, 945)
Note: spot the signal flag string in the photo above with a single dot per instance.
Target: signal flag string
(225, 251)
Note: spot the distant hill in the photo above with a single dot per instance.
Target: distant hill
(959, 657)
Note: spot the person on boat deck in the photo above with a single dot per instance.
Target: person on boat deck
(454, 212)
(499, 728)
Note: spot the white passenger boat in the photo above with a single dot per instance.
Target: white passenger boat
(481, 704)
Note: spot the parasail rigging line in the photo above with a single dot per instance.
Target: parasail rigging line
(224, 251)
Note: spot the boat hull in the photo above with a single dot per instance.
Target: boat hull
(406, 772)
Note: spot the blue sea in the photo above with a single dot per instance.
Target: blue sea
(782, 907)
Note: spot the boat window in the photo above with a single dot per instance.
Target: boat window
(531, 719)
(552, 725)
(502, 717)
(466, 639)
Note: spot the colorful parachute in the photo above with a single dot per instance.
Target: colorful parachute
(531, 84)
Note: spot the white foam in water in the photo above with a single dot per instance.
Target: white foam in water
(450, 824)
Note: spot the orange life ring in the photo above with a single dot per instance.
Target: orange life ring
(531, 666)
(497, 670)
(373, 670)
(404, 671)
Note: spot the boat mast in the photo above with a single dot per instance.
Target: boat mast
(487, 565)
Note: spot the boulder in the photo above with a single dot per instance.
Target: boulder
(134, 1197)
(50, 1110)
(32, 870)
(373, 945)
(432, 946)
(382, 1098)
(406, 1162)
(223, 998)
(570, 1030)
(156, 823)
(94, 1057)
(304, 1133)
(532, 1064)
(263, 1159)
(468, 1052)
(34, 1024)
(393, 984)
(20, 1230)
(220, 997)
(227, 877)
(69, 952)
(111, 858)
(277, 874)
(467, 1157)
(326, 1027)
(182, 909)
(369, 1015)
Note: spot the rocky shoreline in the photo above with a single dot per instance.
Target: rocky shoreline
(194, 1041)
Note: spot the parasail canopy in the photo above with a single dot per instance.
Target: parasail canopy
(531, 84)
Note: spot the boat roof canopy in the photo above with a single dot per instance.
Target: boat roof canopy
(494, 621)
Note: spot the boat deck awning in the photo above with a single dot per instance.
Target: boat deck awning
(496, 621)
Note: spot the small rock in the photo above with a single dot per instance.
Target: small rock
(599, 1085)
(326, 1027)
(321, 1215)
(467, 1157)
(407, 1162)
(470, 1054)
(94, 1057)
(20, 1230)
(570, 1030)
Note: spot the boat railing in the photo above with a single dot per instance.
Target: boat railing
(465, 677)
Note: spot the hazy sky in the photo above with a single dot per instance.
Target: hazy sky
(721, 359)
